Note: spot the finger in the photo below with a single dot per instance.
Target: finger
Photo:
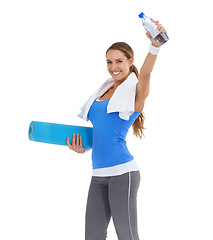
(162, 29)
(148, 35)
(73, 139)
(77, 141)
(68, 143)
(159, 27)
(81, 141)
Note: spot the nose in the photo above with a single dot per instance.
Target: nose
(114, 67)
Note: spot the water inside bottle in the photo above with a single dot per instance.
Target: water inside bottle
(161, 38)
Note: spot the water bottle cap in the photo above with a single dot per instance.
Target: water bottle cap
(141, 15)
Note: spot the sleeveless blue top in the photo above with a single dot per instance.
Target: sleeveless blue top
(109, 134)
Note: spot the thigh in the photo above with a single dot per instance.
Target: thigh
(98, 212)
(123, 202)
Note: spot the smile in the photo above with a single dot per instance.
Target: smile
(116, 73)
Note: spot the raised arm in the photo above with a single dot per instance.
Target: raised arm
(142, 89)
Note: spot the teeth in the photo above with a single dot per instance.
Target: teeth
(116, 73)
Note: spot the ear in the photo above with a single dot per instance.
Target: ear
(131, 61)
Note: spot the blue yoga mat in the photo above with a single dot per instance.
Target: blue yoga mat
(55, 133)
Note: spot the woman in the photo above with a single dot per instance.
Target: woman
(116, 177)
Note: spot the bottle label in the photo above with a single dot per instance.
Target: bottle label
(154, 32)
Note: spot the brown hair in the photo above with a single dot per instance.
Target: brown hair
(138, 125)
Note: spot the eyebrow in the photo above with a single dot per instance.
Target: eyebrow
(115, 59)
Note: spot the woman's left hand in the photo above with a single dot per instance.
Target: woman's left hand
(160, 28)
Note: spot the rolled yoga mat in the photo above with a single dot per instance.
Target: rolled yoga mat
(55, 133)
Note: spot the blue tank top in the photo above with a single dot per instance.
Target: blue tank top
(109, 134)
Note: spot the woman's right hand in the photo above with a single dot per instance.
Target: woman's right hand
(160, 28)
(76, 146)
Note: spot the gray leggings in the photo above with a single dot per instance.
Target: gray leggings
(114, 197)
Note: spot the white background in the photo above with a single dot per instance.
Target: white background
(52, 57)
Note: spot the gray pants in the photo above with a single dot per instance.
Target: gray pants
(114, 197)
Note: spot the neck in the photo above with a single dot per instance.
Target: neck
(119, 82)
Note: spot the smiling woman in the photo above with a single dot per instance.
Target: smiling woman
(113, 109)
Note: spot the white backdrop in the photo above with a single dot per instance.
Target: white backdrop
(52, 57)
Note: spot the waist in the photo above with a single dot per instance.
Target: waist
(109, 156)
(116, 170)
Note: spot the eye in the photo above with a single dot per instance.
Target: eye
(109, 62)
(119, 61)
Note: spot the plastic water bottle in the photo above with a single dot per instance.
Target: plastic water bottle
(150, 26)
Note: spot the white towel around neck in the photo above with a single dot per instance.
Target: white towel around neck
(122, 100)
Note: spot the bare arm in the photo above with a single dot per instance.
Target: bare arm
(142, 89)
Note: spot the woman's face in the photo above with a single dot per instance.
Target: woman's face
(118, 64)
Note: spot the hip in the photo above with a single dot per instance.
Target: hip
(116, 170)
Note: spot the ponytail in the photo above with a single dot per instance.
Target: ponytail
(134, 70)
